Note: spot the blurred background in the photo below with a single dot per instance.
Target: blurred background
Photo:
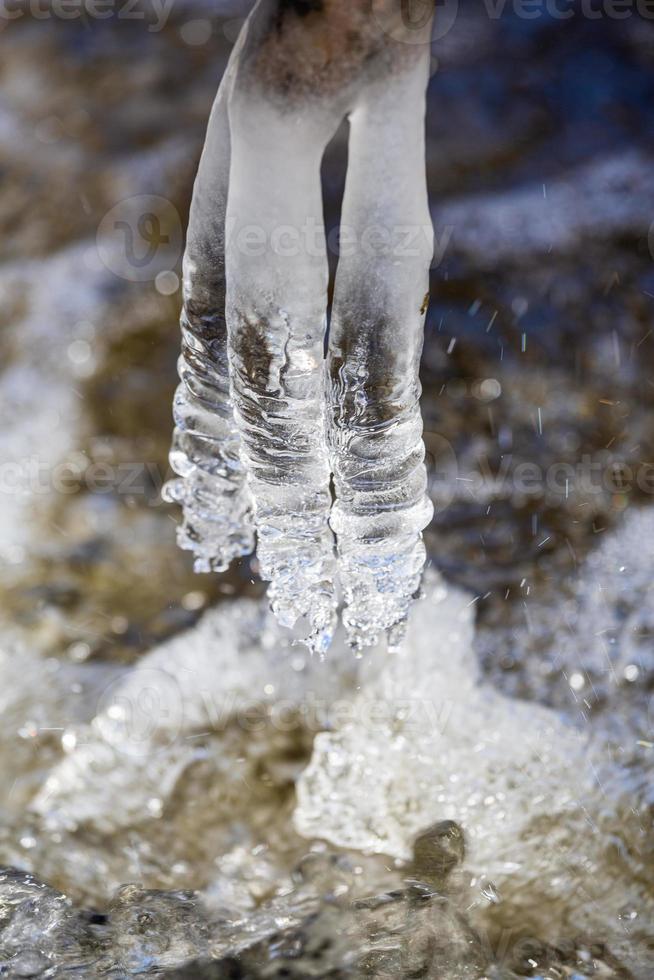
(538, 369)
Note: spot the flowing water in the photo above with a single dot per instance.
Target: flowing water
(184, 790)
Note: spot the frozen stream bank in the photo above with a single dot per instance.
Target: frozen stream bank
(415, 739)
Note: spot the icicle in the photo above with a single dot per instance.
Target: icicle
(205, 453)
(276, 311)
(376, 338)
(266, 455)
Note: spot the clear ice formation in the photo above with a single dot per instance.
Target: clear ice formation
(206, 681)
(470, 750)
(264, 419)
(428, 739)
(406, 739)
(205, 453)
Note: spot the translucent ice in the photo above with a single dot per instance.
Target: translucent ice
(407, 740)
(467, 747)
(205, 453)
(262, 419)
(428, 740)
(234, 667)
(375, 430)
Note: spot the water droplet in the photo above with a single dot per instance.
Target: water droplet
(577, 681)
(193, 601)
(166, 283)
(79, 351)
(196, 32)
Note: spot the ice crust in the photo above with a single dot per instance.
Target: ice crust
(406, 739)
(451, 748)
(236, 661)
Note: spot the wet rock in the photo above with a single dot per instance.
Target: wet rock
(437, 851)
(39, 928)
(164, 929)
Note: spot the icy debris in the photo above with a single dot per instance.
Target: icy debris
(178, 934)
(39, 928)
(339, 920)
(609, 197)
(217, 679)
(424, 742)
(428, 740)
(43, 934)
(450, 748)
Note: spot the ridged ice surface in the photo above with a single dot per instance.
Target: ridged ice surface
(211, 487)
(279, 405)
(264, 415)
(375, 344)
(381, 506)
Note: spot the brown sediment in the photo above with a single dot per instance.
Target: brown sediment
(122, 407)
(317, 48)
(383, 384)
(12, 311)
(250, 345)
(299, 7)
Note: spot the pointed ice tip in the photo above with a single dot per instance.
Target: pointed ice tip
(358, 642)
(395, 636)
(320, 639)
(201, 566)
